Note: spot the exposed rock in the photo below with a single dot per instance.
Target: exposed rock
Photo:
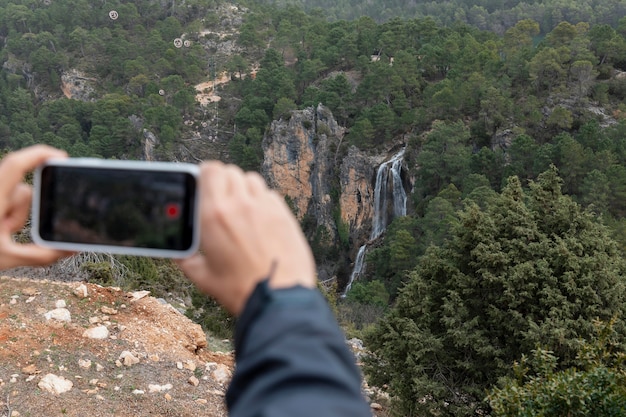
(84, 363)
(98, 332)
(159, 388)
(503, 139)
(302, 162)
(55, 384)
(59, 314)
(76, 85)
(219, 372)
(357, 189)
(197, 338)
(108, 310)
(190, 365)
(29, 292)
(128, 358)
(149, 142)
(60, 304)
(296, 158)
(30, 370)
(80, 291)
(138, 295)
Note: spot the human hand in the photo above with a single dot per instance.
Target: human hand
(15, 198)
(246, 232)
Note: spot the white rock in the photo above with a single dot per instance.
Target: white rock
(108, 310)
(98, 332)
(84, 363)
(30, 299)
(60, 304)
(59, 314)
(190, 365)
(138, 295)
(138, 392)
(128, 358)
(81, 291)
(221, 374)
(99, 367)
(217, 392)
(193, 381)
(55, 384)
(159, 388)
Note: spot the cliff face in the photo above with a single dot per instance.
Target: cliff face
(358, 172)
(298, 162)
(301, 162)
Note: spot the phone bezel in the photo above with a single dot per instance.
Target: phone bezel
(114, 164)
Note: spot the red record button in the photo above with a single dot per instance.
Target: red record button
(172, 211)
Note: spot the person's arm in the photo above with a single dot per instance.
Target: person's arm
(291, 357)
(15, 199)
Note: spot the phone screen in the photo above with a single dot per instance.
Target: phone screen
(117, 207)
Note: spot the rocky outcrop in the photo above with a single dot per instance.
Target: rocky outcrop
(302, 163)
(298, 162)
(76, 85)
(358, 172)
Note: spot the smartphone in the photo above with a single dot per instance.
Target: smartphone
(122, 207)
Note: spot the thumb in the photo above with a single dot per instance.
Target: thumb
(197, 270)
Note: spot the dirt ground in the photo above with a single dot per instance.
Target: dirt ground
(170, 371)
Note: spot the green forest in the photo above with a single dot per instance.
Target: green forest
(493, 15)
(503, 289)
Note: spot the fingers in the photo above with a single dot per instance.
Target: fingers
(235, 181)
(212, 182)
(197, 270)
(255, 184)
(15, 198)
(13, 254)
(15, 165)
(18, 208)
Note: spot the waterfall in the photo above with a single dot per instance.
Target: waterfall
(393, 167)
(358, 267)
(381, 203)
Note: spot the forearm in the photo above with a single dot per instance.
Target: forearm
(292, 359)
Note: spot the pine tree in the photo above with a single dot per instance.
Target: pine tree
(531, 269)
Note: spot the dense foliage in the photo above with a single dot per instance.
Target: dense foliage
(129, 60)
(531, 269)
(596, 386)
(493, 15)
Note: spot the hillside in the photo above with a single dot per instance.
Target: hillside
(493, 15)
(175, 373)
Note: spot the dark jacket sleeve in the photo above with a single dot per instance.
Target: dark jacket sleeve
(292, 360)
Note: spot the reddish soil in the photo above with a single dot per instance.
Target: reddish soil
(171, 350)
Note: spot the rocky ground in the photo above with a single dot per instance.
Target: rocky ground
(79, 349)
(73, 349)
